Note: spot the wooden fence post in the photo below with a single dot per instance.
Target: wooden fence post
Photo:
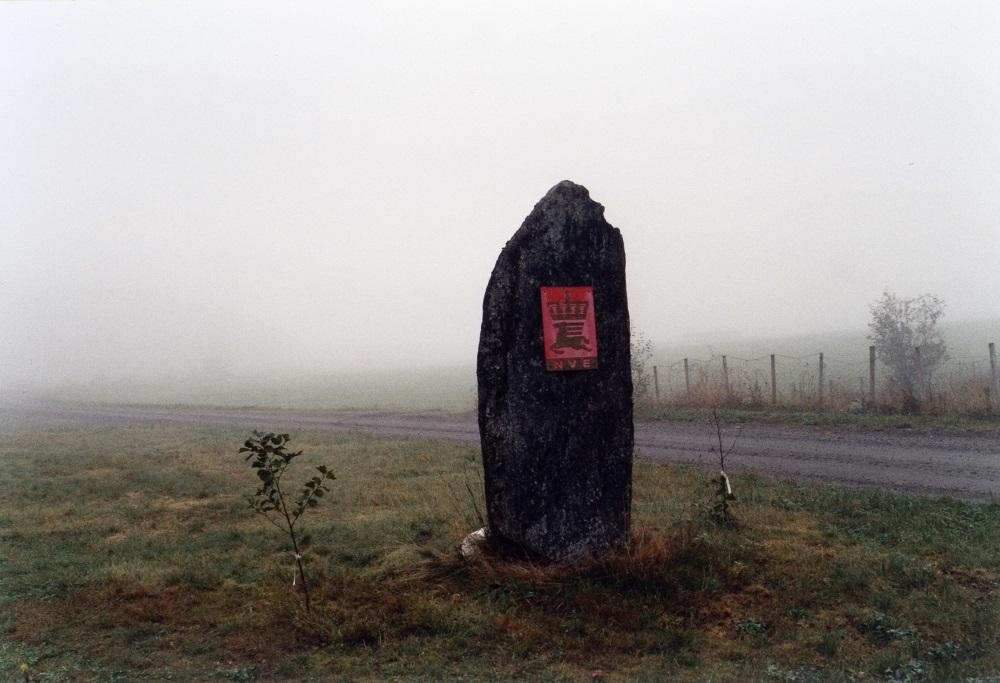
(725, 376)
(871, 375)
(774, 384)
(919, 373)
(819, 400)
(687, 379)
(656, 384)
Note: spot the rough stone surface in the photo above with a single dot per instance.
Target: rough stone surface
(557, 446)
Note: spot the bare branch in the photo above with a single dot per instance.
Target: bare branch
(736, 438)
(718, 432)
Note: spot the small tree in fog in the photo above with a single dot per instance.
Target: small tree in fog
(907, 340)
(642, 355)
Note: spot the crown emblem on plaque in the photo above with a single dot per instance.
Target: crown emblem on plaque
(568, 310)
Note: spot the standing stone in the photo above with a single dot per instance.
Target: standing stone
(557, 436)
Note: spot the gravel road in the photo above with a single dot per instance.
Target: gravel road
(961, 465)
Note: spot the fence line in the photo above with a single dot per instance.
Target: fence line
(960, 384)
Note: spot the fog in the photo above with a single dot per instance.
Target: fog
(243, 189)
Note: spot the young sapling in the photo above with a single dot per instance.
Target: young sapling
(724, 493)
(269, 456)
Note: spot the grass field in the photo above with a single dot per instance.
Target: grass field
(799, 416)
(128, 553)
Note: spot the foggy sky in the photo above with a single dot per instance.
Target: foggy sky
(318, 186)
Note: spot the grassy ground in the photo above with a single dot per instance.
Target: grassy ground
(826, 418)
(127, 553)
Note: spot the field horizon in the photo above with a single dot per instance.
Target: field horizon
(452, 386)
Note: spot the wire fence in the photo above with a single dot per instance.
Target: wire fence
(963, 384)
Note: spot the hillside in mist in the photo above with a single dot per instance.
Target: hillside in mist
(451, 387)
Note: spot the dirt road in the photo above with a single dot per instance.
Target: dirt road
(950, 464)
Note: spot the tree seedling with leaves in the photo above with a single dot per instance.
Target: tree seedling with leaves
(269, 456)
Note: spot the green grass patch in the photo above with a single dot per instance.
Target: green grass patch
(129, 553)
(861, 419)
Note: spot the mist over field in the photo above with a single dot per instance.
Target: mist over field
(256, 203)
(453, 387)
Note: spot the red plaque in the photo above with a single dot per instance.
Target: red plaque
(569, 329)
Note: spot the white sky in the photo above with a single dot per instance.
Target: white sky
(324, 186)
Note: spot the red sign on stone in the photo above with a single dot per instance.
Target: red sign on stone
(569, 329)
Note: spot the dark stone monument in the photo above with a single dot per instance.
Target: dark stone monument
(555, 384)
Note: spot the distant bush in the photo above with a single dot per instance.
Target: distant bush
(642, 356)
(908, 341)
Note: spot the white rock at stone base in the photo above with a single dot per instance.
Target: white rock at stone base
(472, 544)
